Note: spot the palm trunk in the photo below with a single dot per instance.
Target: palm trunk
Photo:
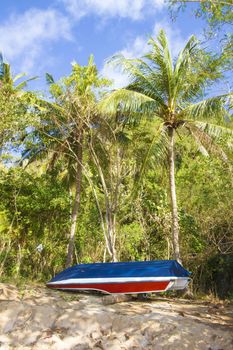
(174, 209)
(76, 203)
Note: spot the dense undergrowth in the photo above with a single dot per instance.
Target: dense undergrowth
(35, 216)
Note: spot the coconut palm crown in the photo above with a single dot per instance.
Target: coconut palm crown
(11, 83)
(171, 92)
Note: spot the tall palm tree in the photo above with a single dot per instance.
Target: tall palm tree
(170, 91)
(66, 122)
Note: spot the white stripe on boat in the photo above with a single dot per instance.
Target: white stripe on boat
(169, 286)
(120, 280)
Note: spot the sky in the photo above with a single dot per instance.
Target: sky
(39, 36)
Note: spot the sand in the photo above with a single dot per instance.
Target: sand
(42, 319)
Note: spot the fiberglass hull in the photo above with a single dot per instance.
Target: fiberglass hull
(123, 278)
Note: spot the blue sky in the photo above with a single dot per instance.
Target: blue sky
(38, 36)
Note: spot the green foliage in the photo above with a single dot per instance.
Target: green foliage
(34, 209)
(131, 242)
(15, 114)
(216, 12)
(129, 174)
(170, 93)
(217, 275)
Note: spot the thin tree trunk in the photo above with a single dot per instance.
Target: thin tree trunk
(110, 232)
(174, 209)
(111, 227)
(76, 203)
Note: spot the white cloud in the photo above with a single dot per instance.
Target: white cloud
(118, 78)
(24, 36)
(133, 9)
(138, 47)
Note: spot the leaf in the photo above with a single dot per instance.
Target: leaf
(206, 142)
(126, 101)
(19, 76)
(210, 108)
(49, 79)
(157, 149)
(1, 66)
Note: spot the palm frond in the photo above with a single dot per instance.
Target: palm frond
(213, 107)
(160, 58)
(1, 66)
(57, 150)
(183, 65)
(195, 69)
(205, 142)
(24, 83)
(214, 130)
(157, 150)
(19, 76)
(127, 101)
(142, 78)
(49, 79)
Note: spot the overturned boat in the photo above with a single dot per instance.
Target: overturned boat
(123, 277)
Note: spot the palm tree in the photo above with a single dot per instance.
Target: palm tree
(65, 127)
(14, 102)
(170, 92)
(9, 82)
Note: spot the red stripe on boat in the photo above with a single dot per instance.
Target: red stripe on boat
(129, 287)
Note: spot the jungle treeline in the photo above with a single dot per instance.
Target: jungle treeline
(91, 174)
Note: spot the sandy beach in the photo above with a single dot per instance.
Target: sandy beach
(41, 319)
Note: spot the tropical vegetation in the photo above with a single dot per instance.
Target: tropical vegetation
(144, 172)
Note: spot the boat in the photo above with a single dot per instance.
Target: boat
(123, 277)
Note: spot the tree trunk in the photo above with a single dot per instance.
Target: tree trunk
(111, 229)
(174, 209)
(76, 203)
